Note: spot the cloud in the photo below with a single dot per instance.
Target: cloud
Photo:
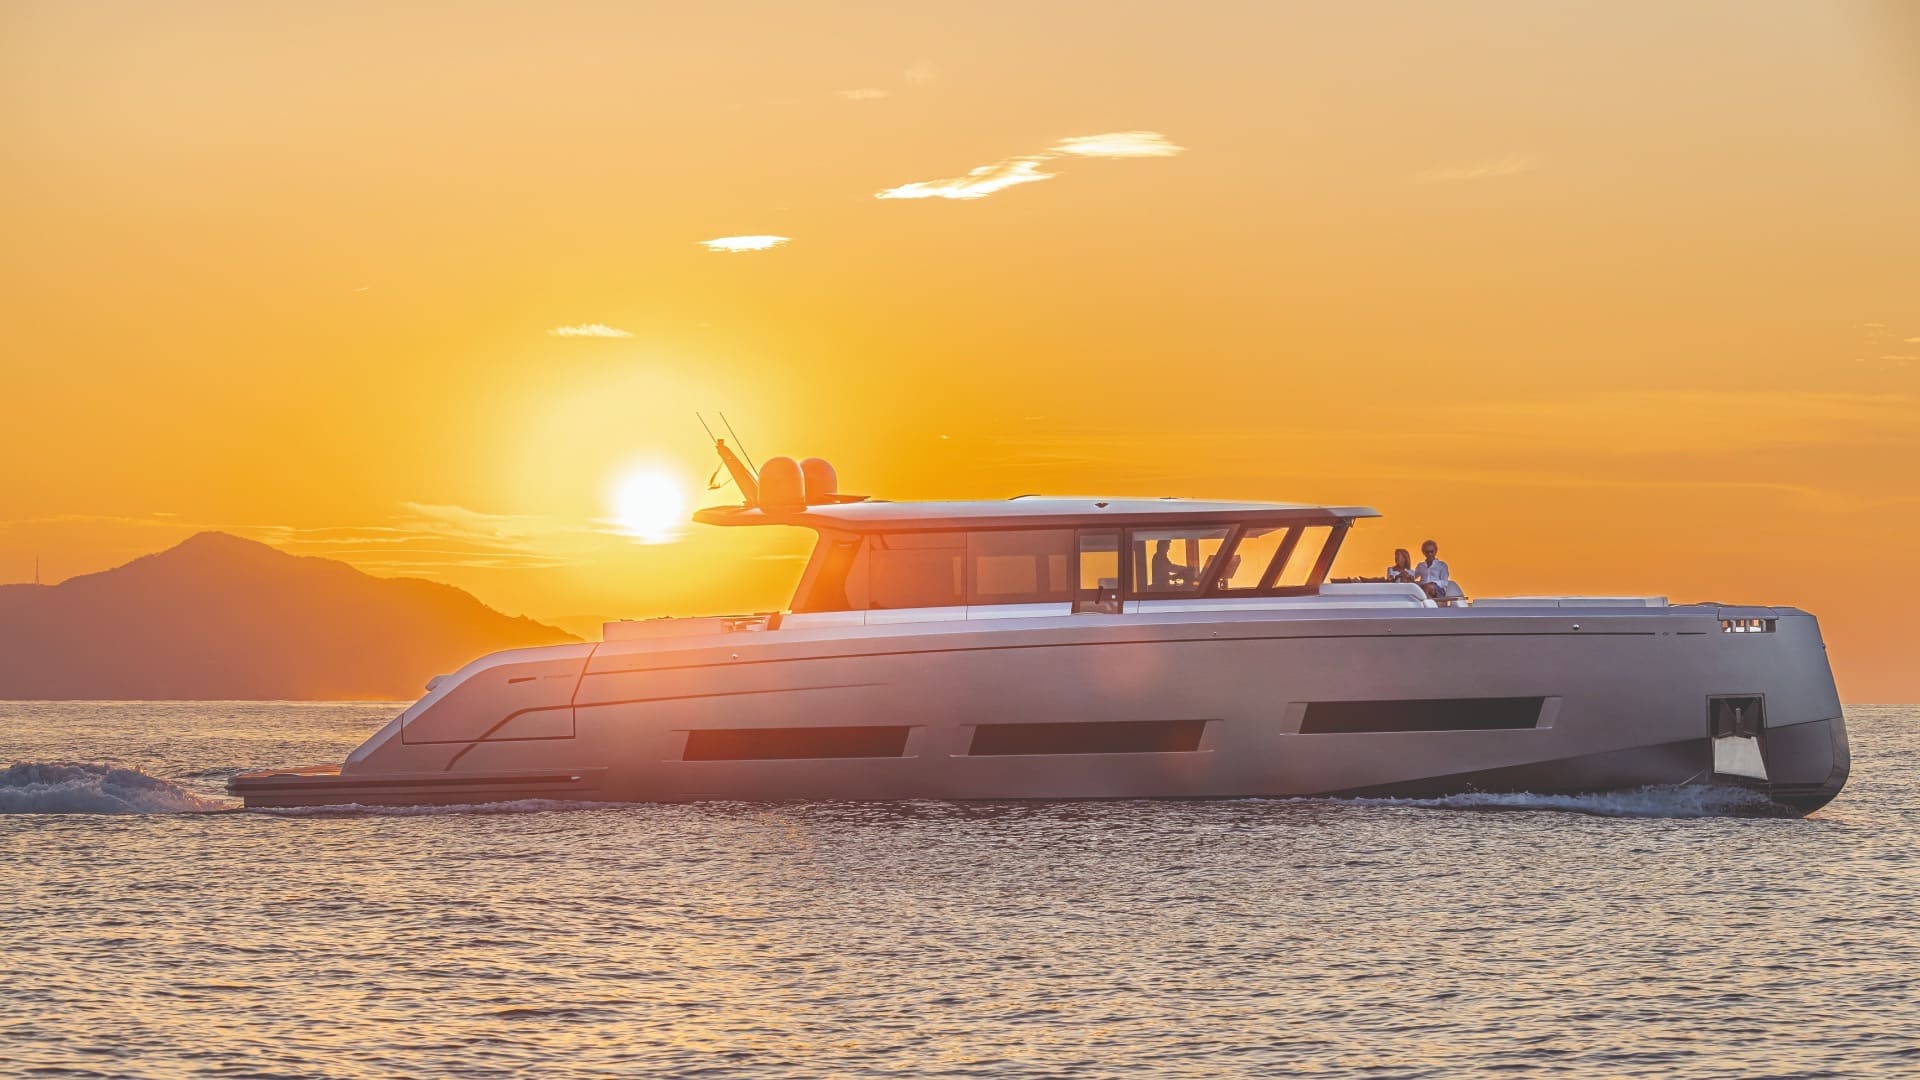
(1027, 168)
(1119, 144)
(919, 74)
(429, 537)
(1913, 340)
(863, 93)
(977, 183)
(736, 244)
(598, 330)
(1507, 166)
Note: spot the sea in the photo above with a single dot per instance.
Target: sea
(148, 928)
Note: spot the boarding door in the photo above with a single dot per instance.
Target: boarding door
(1737, 724)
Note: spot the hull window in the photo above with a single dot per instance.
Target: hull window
(768, 744)
(1434, 714)
(1107, 737)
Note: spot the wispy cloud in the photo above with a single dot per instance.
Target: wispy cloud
(1119, 144)
(1486, 170)
(862, 93)
(589, 330)
(919, 74)
(1878, 340)
(431, 537)
(977, 183)
(980, 182)
(738, 244)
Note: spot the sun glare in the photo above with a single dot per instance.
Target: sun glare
(649, 505)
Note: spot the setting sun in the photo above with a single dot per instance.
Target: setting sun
(594, 539)
(649, 505)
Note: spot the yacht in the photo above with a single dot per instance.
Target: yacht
(1086, 648)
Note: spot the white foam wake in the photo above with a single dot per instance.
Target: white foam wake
(1665, 801)
(62, 787)
(510, 806)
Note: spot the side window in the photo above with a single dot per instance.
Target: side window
(1251, 557)
(1172, 562)
(914, 570)
(1299, 566)
(1098, 586)
(836, 586)
(1019, 567)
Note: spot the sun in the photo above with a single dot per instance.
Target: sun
(649, 505)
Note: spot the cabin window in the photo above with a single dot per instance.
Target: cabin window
(1019, 566)
(1247, 566)
(1088, 737)
(1305, 555)
(840, 583)
(1431, 714)
(787, 744)
(1098, 586)
(1172, 562)
(916, 570)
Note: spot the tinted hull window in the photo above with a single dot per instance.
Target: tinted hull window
(763, 744)
(1113, 737)
(1436, 714)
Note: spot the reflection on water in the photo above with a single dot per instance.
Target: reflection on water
(1657, 931)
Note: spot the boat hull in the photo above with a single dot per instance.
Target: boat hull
(1175, 705)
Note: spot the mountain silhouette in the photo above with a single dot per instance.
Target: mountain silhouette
(221, 617)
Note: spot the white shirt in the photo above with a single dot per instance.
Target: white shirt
(1431, 571)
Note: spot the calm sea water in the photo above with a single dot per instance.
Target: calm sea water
(1656, 933)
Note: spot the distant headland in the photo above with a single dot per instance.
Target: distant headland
(221, 617)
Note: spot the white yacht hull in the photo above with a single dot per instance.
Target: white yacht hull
(1181, 704)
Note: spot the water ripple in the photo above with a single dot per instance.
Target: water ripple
(1659, 932)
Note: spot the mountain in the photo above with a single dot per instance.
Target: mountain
(220, 617)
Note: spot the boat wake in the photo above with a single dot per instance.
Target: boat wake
(1665, 801)
(62, 787)
(511, 806)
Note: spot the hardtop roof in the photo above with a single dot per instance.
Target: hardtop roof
(1030, 511)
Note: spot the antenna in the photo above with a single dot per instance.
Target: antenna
(736, 442)
(742, 474)
(714, 483)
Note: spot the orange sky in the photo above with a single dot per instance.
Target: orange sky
(1606, 297)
